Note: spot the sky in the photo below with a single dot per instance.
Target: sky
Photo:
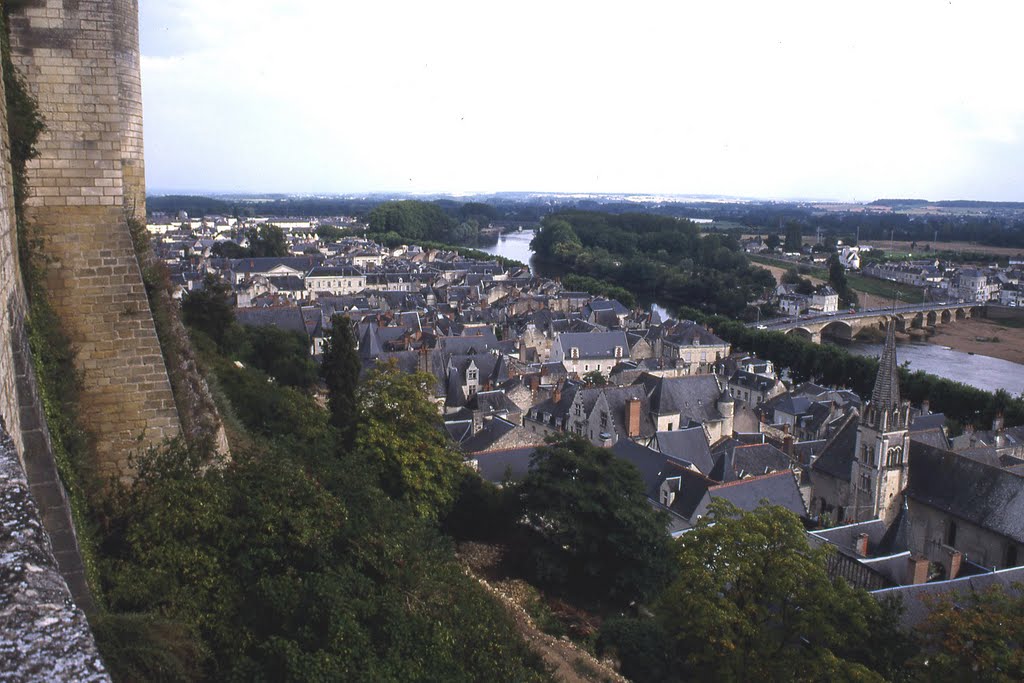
(849, 101)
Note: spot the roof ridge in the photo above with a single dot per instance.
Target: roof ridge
(750, 479)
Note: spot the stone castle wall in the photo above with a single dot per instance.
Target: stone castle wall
(80, 59)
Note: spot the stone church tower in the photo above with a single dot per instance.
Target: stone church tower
(879, 470)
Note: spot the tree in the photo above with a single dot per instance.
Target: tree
(972, 636)
(282, 354)
(597, 534)
(595, 378)
(209, 309)
(267, 240)
(794, 238)
(754, 601)
(773, 241)
(400, 431)
(340, 369)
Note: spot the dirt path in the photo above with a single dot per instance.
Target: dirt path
(568, 662)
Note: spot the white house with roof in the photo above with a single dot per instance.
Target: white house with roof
(336, 280)
(583, 352)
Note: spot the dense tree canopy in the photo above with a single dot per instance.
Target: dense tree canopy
(400, 432)
(340, 369)
(598, 535)
(654, 257)
(753, 601)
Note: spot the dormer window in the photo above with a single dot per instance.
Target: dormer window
(574, 353)
(618, 352)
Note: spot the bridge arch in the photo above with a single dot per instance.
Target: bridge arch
(917, 320)
(961, 314)
(838, 329)
(802, 333)
(931, 318)
(947, 316)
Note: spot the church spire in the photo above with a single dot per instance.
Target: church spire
(885, 397)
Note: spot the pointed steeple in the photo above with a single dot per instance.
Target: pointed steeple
(886, 394)
(886, 412)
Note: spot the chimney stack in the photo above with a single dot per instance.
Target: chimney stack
(558, 392)
(860, 545)
(917, 570)
(633, 417)
(788, 445)
(926, 407)
(953, 570)
(997, 423)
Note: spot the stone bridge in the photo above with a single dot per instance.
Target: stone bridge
(844, 325)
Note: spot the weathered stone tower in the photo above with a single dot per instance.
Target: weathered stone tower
(881, 456)
(80, 59)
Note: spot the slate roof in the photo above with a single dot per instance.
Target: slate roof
(778, 488)
(920, 423)
(649, 463)
(493, 430)
(933, 437)
(334, 271)
(494, 465)
(265, 264)
(916, 608)
(749, 460)
(593, 344)
(838, 454)
(283, 317)
(694, 397)
(751, 381)
(989, 497)
(690, 445)
(689, 333)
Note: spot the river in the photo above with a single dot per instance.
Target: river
(983, 372)
(516, 246)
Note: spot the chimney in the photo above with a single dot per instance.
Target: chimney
(926, 407)
(917, 570)
(997, 423)
(860, 545)
(953, 570)
(788, 445)
(785, 428)
(558, 393)
(633, 418)
(534, 384)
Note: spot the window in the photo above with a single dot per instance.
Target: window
(951, 533)
(618, 352)
(671, 426)
(865, 482)
(1011, 555)
(471, 375)
(586, 368)
(604, 420)
(894, 456)
(574, 353)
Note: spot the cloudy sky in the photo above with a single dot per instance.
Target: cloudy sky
(842, 100)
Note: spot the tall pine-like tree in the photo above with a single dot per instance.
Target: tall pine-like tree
(340, 370)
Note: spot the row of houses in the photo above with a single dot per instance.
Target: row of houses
(516, 358)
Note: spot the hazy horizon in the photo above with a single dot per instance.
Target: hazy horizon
(782, 101)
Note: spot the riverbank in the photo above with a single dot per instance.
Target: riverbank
(1003, 342)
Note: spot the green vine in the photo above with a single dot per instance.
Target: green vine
(52, 354)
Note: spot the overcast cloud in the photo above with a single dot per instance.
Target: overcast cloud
(853, 100)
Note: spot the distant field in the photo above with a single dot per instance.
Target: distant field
(885, 245)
